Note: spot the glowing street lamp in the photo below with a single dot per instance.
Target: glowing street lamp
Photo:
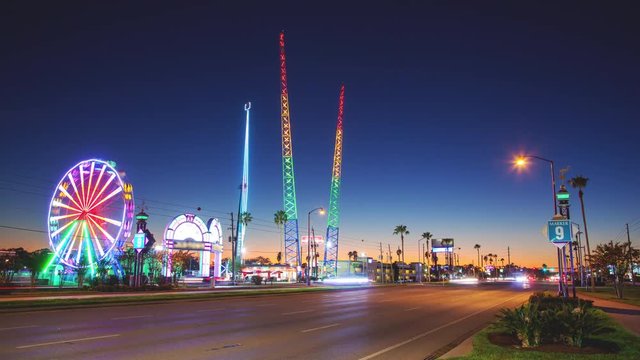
(521, 162)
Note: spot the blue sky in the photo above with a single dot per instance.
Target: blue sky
(439, 97)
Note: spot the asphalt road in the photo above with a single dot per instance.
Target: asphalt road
(408, 322)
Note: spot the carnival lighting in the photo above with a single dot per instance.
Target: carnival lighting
(90, 214)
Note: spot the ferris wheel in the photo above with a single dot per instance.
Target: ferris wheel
(90, 213)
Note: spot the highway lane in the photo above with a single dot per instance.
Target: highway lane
(408, 322)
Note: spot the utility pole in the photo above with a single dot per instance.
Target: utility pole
(233, 251)
(392, 274)
(633, 281)
(509, 259)
(381, 265)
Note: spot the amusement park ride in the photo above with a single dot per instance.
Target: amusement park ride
(91, 212)
(291, 238)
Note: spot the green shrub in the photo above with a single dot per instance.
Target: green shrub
(256, 279)
(548, 319)
(526, 322)
(577, 323)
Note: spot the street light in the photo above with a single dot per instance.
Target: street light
(307, 272)
(521, 162)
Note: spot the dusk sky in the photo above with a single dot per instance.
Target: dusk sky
(440, 96)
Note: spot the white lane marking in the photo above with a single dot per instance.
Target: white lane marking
(387, 349)
(297, 312)
(67, 341)
(413, 308)
(131, 317)
(18, 327)
(320, 328)
(207, 310)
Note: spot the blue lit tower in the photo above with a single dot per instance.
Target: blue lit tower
(244, 189)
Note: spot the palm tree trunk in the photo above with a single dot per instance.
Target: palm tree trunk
(586, 236)
(402, 241)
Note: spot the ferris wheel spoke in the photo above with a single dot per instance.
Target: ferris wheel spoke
(71, 244)
(103, 231)
(104, 187)
(65, 239)
(61, 229)
(80, 242)
(96, 239)
(60, 217)
(113, 193)
(97, 184)
(110, 221)
(93, 166)
(58, 203)
(80, 203)
(66, 193)
(83, 197)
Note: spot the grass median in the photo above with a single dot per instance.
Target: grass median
(631, 294)
(162, 297)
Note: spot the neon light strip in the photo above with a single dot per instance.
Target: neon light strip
(97, 240)
(64, 191)
(53, 234)
(60, 217)
(112, 194)
(102, 230)
(103, 189)
(80, 242)
(73, 241)
(89, 248)
(93, 165)
(66, 237)
(84, 198)
(110, 221)
(97, 183)
(57, 203)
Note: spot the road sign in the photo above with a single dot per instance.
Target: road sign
(139, 240)
(560, 231)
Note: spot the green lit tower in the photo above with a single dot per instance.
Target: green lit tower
(333, 220)
(291, 242)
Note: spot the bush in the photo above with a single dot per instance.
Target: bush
(548, 319)
(256, 280)
(525, 322)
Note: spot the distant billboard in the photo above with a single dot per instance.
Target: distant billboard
(442, 245)
(318, 239)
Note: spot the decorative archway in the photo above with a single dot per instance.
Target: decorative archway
(189, 232)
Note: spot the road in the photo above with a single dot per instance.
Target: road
(407, 322)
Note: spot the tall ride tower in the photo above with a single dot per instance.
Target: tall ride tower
(333, 220)
(291, 243)
(244, 190)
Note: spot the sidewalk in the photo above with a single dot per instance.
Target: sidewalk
(625, 314)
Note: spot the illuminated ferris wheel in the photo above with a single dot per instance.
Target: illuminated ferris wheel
(90, 213)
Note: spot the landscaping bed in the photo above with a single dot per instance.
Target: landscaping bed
(548, 327)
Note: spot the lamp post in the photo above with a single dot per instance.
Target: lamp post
(307, 272)
(521, 162)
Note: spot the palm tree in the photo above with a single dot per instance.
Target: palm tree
(427, 236)
(246, 218)
(279, 256)
(477, 247)
(350, 253)
(402, 231)
(280, 218)
(447, 243)
(502, 261)
(580, 182)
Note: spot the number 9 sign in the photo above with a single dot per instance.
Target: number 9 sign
(560, 231)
